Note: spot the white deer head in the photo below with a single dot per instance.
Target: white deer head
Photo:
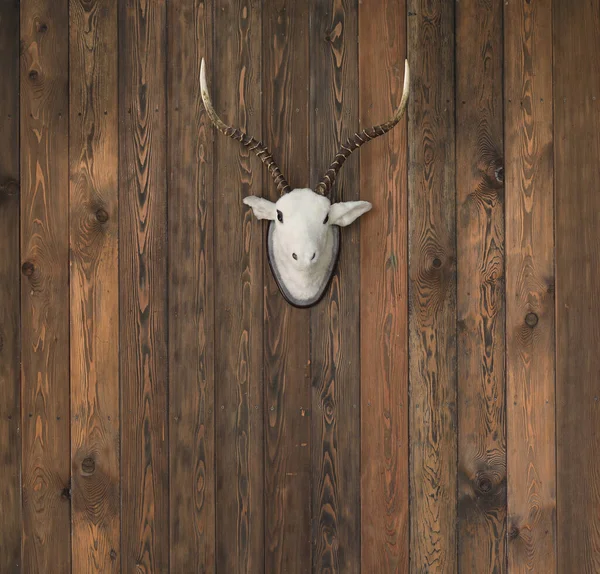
(303, 240)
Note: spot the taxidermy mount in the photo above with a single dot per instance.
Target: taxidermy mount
(303, 240)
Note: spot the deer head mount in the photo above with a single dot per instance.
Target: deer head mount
(303, 241)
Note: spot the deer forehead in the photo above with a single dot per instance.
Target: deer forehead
(303, 204)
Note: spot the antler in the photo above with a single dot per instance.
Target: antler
(363, 137)
(252, 144)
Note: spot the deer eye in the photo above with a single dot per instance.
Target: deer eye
(326, 219)
(279, 216)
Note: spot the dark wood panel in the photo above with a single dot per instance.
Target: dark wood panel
(530, 287)
(143, 286)
(236, 89)
(287, 369)
(94, 281)
(384, 293)
(335, 322)
(45, 286)
(191, 306)
(577, 149)
(480, 288)
(432, 285)
(10, 442)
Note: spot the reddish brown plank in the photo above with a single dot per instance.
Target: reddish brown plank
(432, 285)
(10, 447)
(480, 288)
(94, 281)
(45, 286)
(576, 152)
(335, 322)
(191, 307)
(238, 247)
(143, 286)
(286, 354)
(384, 293)
(529, 286)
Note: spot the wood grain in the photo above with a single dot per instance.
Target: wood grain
(238, 247)
(143, 287)
(384, 293)
(432, 287)
(191, 298)
(45, 286)
(335, 322)
(94, 282)
(480, 288)
(10, 274)
(530, 287)
(576, 151)
(287, 369)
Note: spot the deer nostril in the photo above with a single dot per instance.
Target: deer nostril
(295, 256)
(314, 255)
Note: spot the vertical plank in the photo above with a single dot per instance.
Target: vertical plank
(480, 288)
(10, 447)
(94, 281)
(576, 153)
(432, 287)
(286, 355)
(45, 286)
(191, 307)
(238, 247)
(143, 287)
(384, 293)
(530, 286)
(335, 322)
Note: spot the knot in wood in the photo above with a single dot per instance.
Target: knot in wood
(514, 533)
(328, 408)
(27, 268)
(88, 466)
(101, 216)
(484, 485)
(531, 319)
(499, 174)
(33, 75)
(66, 493)
(437, 263)
(43, 28)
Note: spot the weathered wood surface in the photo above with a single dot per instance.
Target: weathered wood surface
(335, 324)
(44, 144)
(10, 406)
(480, 288)
(530, 369)
(191, 295)
(94, 282)
(432, 284)
(577, 260)
(143, 286)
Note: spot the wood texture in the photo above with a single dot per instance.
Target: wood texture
(10, 344)
(191, 297)
(143, 287)
(94, 282)
(577, 216)
(335, 322)
(480, 288)
(287, 369)
(432, 285)
(236, 89)
(530, 287)
(44, 145)
(384, 293)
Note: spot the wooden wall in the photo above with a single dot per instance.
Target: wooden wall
(164, 410)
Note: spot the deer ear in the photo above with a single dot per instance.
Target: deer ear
(344, 213)
(262, 208)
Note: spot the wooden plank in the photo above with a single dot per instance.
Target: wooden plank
(143, 287)
(530, 287)
(576, 153)
(45, 286)
(286, 355)
(94, 281)
(335, 322)
(480, 288)
(384, 293)
(432, 287)
(238, 247)
(191, 307)
(10, 407)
